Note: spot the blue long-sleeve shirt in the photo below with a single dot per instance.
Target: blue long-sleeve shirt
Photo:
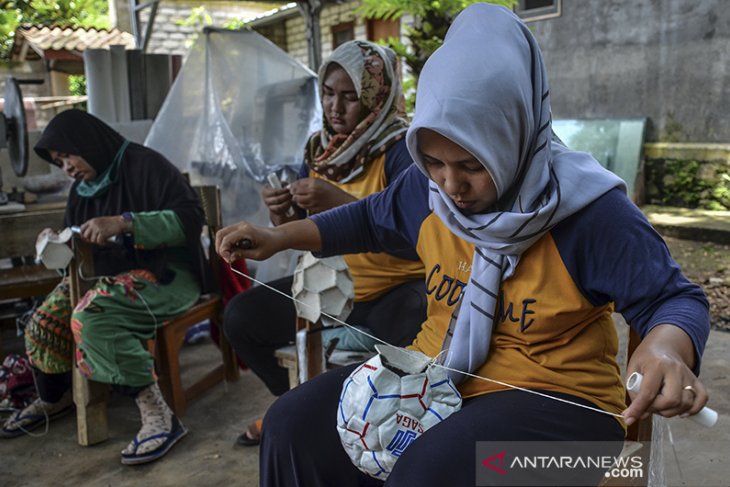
(553, 329)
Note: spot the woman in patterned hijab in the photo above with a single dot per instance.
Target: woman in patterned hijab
(342, 155)
(360, 150)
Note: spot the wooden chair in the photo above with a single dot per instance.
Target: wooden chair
(90, 397)
(315, 359)
(640, 431)
(170, 337)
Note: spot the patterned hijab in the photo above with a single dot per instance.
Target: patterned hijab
(494, 102)
(342, 157)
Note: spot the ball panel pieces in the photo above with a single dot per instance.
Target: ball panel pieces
(319, 277)
(334, 303)
(416, 403)
(407, 361)
(297, 285)
(337, 263)
(308, 306)
(345, 284)
(381, 411)
(307, 259)
(329, 280)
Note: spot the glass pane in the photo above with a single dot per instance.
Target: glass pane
(615, 143)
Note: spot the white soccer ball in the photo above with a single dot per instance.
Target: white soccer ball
(322, 286)
(387, 403)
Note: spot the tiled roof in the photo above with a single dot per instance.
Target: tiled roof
(70, 39)
(276, 13)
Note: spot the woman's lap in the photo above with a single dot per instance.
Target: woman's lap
(108, 324)
(301, 445)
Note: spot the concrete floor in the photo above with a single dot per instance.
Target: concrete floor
(208, 456)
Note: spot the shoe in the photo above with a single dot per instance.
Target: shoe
(171, 437)
(198, 333)
(252, 435)
(34, 416)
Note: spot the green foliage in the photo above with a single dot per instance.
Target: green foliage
(432, 20)
(689, 183)
(9, 20)
(393, 9)
(77, 84)
(70, 13)
(673, 130)
(234, 24)
(77, 87)
(200, 17)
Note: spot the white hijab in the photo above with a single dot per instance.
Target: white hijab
(486, 90)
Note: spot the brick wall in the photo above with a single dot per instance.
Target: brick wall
(168, 37)
(330, 16)
(171, 38)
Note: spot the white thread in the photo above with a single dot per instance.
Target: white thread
(433, 362)
(149, 311)
(96, 278)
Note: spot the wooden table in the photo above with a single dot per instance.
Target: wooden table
(20, 229)
(18, 232)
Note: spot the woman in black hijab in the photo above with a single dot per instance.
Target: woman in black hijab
(120, 188)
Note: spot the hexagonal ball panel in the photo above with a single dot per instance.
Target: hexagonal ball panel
(322, 285)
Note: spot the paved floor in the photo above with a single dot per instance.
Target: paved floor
(207, 455)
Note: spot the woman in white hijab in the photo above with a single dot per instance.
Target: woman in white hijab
(528, 248)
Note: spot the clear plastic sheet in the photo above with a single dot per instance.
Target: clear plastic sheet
(239, 109)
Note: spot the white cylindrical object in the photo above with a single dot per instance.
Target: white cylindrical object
(275, 183)
(99, 84)
(120, 92)
(706, 417)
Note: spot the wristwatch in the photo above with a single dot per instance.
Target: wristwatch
(128, 216)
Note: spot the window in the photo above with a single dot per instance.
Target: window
(532, 10)
(342, 33)
(379, 29)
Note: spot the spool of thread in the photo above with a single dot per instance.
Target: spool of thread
(244, 244)
(114, 239)
(707, 417)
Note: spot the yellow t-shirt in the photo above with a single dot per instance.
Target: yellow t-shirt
(541, 291)
(374, 273)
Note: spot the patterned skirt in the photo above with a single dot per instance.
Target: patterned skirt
(109, 326)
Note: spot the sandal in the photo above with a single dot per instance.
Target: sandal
(171, 437)
(34, 416)
(252, 435)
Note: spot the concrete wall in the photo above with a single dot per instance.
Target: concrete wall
(668, 60)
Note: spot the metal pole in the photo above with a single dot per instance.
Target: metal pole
(311, 10)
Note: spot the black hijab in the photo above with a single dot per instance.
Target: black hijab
(144, 181)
